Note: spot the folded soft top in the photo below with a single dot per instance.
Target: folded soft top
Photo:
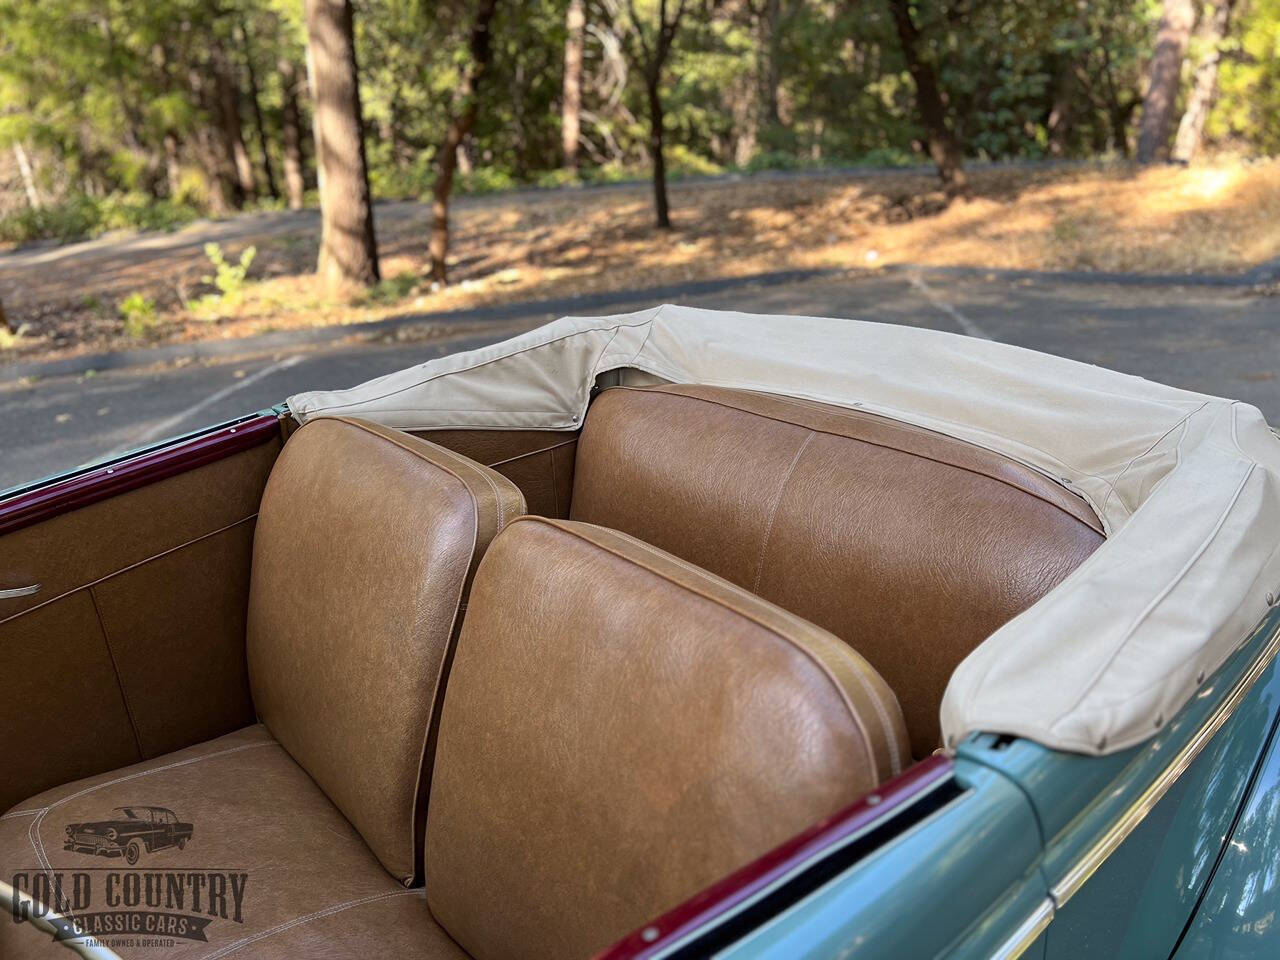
(1186, 485)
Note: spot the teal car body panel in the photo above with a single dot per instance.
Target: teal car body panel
(1237, 919)
(936, 888)
(1173, 845)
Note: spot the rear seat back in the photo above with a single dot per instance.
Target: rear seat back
(365, 545)
(909, 545)
(608, 701)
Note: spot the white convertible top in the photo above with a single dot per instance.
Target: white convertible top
(1187, 485)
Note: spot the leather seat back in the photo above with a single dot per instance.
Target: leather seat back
(365, 546)
(620, 729)
(910, 545)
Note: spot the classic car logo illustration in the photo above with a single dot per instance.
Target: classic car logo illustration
(123, 907)
(128, 833)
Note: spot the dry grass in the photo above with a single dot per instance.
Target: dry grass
(1221, 217)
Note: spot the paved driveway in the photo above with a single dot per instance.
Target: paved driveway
(1224, 341)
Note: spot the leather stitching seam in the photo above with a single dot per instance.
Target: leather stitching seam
(773, 510)
(317, 915)
(33, 832)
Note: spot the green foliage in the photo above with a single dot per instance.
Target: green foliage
(1248, 107)
(392, 289)
(139, 314)
(228, 277)
(486, 180)
(115, 100)
(77, 217)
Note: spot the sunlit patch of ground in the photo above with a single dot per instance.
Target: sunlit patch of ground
(1221, 217)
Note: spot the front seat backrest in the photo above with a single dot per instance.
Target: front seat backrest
(620, 729)
(910, 545)
(365, 545)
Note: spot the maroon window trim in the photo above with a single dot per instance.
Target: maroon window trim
(723, 896)
(100, 483)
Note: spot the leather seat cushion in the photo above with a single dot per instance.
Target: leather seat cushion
(620, 729)
(911, 546)
(311, 886)
(365, 545)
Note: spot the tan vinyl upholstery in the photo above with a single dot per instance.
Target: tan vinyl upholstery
(365, 544)
(909, 545)
(620, 729)
(297, 880)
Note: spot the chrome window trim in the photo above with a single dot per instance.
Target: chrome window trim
(1028, 931)
(1088, 864)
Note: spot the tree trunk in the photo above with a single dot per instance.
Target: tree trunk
(220, 177)
(571, 109)
(1061, 110)
(348, 250)
(661, 208)
(770, 78)
(5, 324)
(944, 148)
(1164, 79)
(28, 177)
(172, 164)
(291, 135)
(1204, 88)
(228, 102)
(459, 126)
(268, 169)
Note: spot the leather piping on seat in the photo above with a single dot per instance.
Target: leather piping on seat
(430, 735)
(841, 649)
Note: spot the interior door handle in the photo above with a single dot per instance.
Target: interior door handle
(14, 592)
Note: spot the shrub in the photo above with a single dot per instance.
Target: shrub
(392, 289)
(486, 180)
(78, 217)
(139, 314)
(560, 177)
(773, 160)
(228, 277)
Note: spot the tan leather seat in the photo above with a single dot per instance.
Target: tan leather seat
(620, 729)
(365, 546)
(910, 545)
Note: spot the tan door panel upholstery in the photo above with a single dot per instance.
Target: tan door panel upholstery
(134, 645)
(909, 545)
(365, 543)
(539, 462)
(620, 729)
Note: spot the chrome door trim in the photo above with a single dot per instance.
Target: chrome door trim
(13, 593)
(1030, 929)
(1088, 864)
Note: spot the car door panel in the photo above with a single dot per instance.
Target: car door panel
(1238, 912)
(960, 883)
(1131, 839)
(134, 644)
(60, 705)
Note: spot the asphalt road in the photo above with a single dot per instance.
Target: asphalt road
(1224, 341)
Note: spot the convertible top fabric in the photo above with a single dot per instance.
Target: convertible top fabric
(1187, 485)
